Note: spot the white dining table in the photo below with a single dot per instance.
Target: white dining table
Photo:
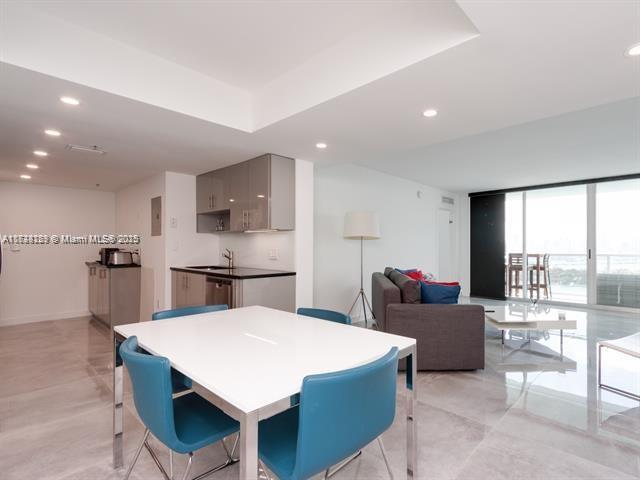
(250, 363)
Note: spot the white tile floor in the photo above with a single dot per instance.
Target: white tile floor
(528, 414)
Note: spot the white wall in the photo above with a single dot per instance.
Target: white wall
(49, 282)
(304, 239)
(252, 249)
(464, 232)
(183, 245)
(407, 225)
(133, 216)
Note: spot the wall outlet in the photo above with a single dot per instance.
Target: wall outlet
(273, 254)
(173, 222)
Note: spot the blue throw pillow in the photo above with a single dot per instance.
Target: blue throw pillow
(407, 270)
(447, 294)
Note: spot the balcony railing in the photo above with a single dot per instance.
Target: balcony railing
(617, 278)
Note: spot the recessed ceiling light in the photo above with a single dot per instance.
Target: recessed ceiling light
(232, 200)
(321, 145)
(52, 133)
(633, 50)
(260, 196)
(70, 100)
(40, 153)
(431, 112)
(25, 177)
(32, 166)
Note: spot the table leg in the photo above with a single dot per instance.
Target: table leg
(502, 336)
(249, 446)
(118, 393)
(412, 425)
(561, 344)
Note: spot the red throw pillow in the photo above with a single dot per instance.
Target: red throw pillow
(417, 275)
(448, 284)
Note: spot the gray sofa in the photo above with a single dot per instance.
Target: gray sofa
(450, 337)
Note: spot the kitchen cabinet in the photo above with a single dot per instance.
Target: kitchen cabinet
(187, 289)
(93, 289)
(103, 294)
(114, 293)
(237, 182)
(237, 287)
(255, 195)
(211, 194)
(258, 193)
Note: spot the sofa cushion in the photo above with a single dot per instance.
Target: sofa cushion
(409, 289)
(387, 271)
(437, 293)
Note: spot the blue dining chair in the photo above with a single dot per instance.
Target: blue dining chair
(184, 424)
(180, 381)
(184, 311)
(339, 414)
(325, 315)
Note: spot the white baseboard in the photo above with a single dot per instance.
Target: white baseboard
(42, 317)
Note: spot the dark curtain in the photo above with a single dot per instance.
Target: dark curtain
(487, 246)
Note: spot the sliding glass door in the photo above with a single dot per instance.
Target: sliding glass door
(618, 243)
(556, 239)
(574, 244)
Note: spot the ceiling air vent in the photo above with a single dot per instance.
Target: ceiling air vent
(448, 200)
(84, 148)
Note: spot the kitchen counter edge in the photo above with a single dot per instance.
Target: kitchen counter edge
(98, 264)
(238, 273)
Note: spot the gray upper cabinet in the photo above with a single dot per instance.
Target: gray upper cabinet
(210, 192)
(238, 194)
(203, 193)
(258, 194)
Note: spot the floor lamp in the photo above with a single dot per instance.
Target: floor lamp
(362, 226)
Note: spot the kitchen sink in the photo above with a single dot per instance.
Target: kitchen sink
(209, 267)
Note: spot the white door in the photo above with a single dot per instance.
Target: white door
(446, 267)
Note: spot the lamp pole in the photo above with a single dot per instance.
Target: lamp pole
(362, 226)
(361, 295)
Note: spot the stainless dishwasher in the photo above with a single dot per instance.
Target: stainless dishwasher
(219, 291)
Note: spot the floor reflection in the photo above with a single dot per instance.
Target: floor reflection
(563, 388)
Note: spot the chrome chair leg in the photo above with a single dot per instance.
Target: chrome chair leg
(188, 469)
(262, 471)
(229, 461)
(137, 454)
(384, 456)
(233, 449)
(330, 473)
(157, 461)
(171, 464)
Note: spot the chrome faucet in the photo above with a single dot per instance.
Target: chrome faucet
(229, 257)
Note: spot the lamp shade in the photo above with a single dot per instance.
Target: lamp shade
(363, 225)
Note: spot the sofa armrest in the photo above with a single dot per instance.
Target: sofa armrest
(383, 293)
(449, 337)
